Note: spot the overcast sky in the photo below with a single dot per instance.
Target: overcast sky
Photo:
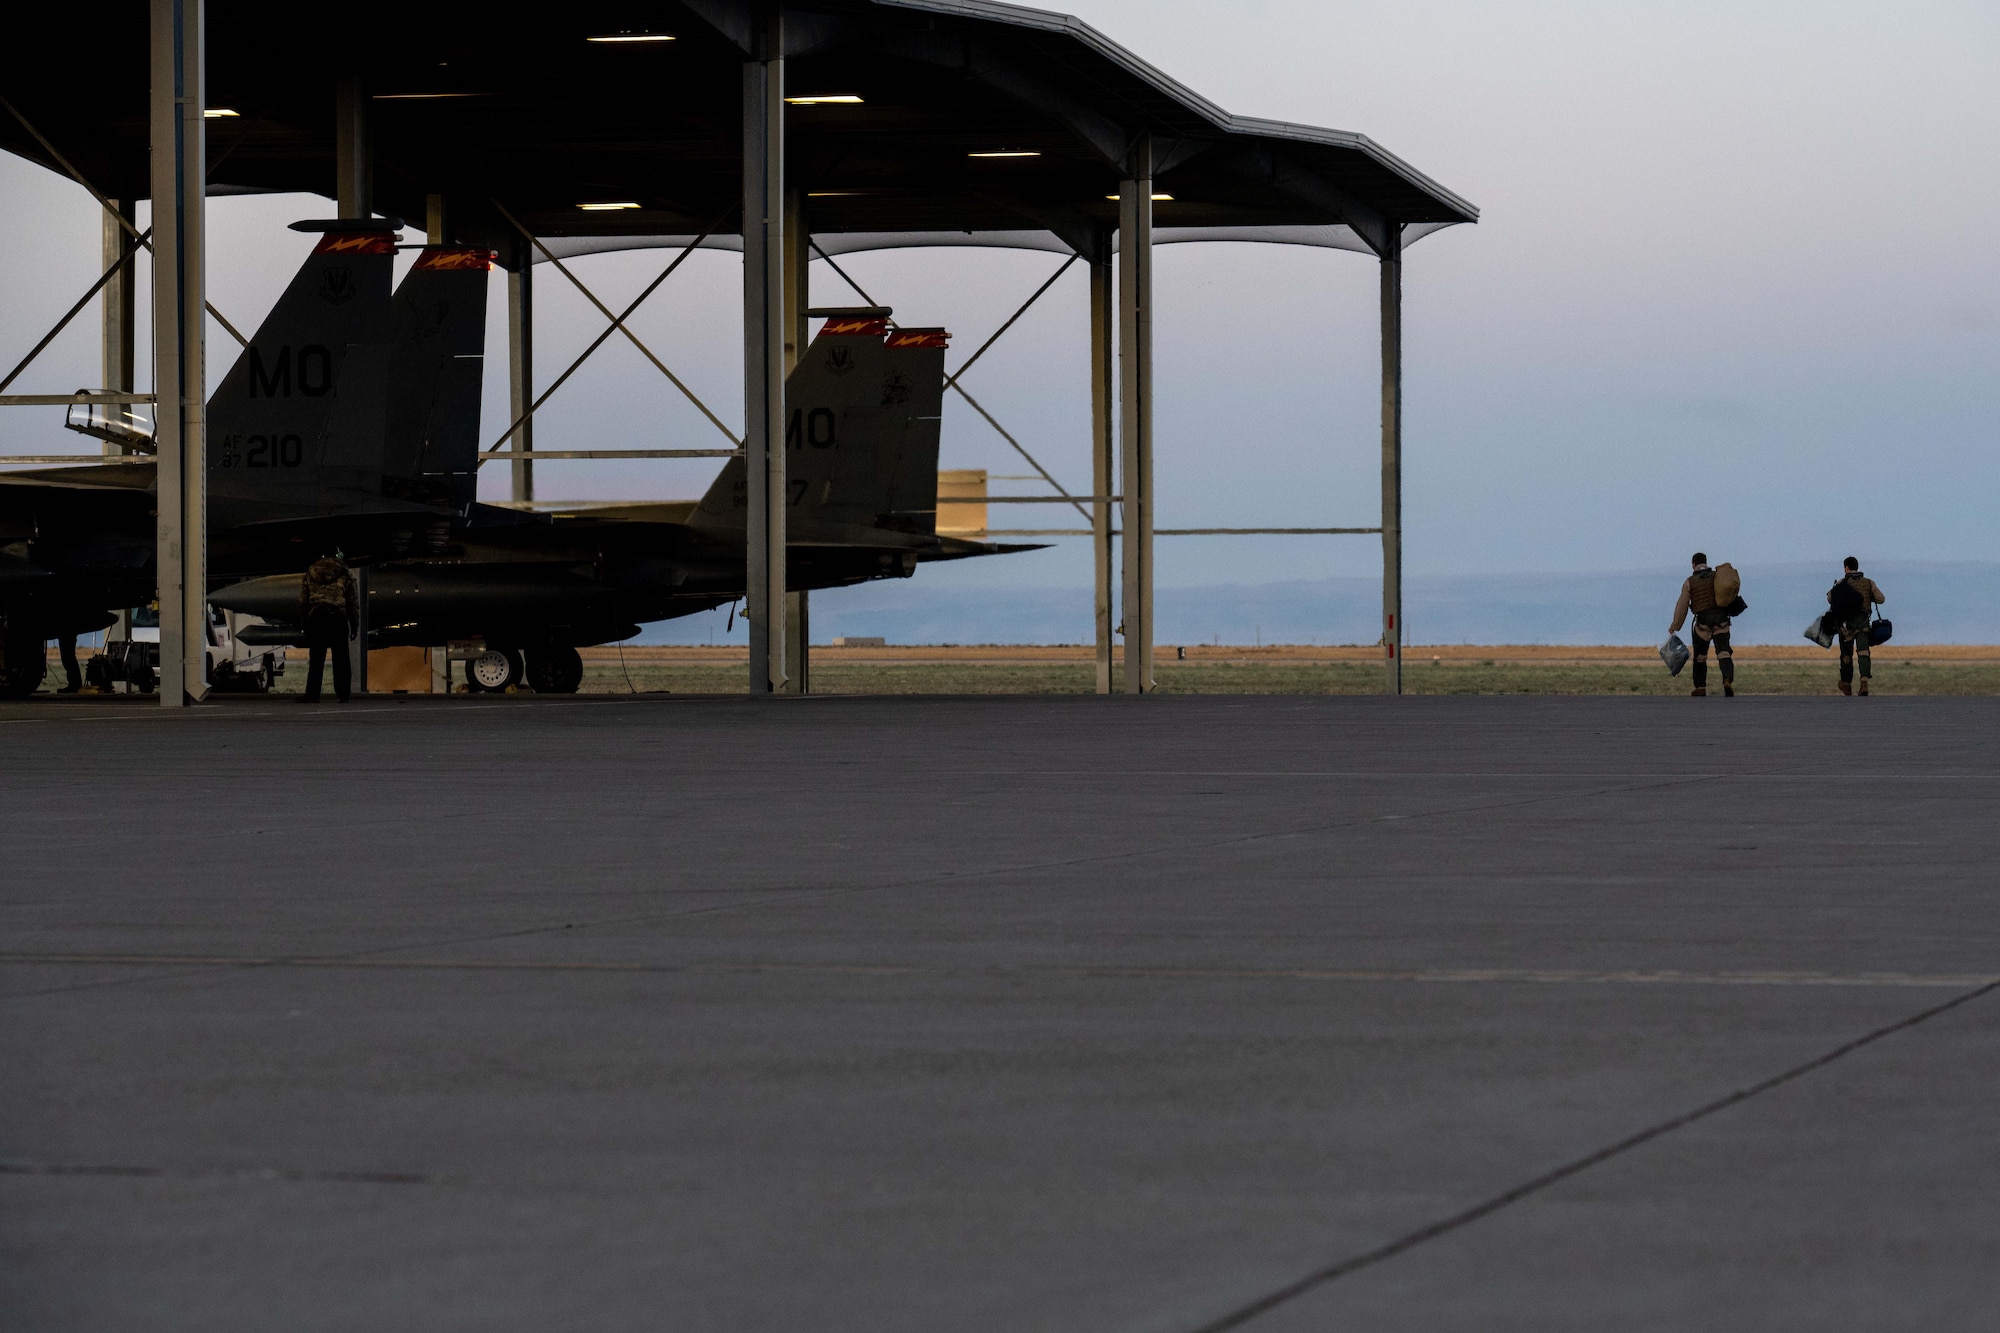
(1734, 287)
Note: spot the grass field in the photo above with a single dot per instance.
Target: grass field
(1509, 671)
(1918, 669)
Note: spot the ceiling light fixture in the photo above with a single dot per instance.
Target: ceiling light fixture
(632, 37)
(219, 113)
(1010, 152)
(417, 97)
(825, 99)
(831, 194)
(1156, 198)
(607, 208)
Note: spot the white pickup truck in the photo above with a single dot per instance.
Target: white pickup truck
(234, 667)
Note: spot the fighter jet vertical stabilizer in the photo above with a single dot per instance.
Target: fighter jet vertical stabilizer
(436, 370)
(295, 429)
(861, 439)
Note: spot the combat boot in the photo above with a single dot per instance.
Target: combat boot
(1699, 692)
(1728, 691)
(1864, 689)
(1845, 688)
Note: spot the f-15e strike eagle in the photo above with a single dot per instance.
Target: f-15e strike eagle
(351, 422)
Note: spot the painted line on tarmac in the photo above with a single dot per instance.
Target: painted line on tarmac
(1333, 1272)
(286, 1174)
(950, 879)
(1444, 976)
(191, 713)
(1380, 774)
(946, 879)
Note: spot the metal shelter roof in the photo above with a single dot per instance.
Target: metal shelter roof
(519, 106)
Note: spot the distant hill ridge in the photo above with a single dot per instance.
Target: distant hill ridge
(1931, 602)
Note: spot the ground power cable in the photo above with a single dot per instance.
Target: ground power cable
(630, 688)
(1320, 1278)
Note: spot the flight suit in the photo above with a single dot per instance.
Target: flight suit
(330, 609)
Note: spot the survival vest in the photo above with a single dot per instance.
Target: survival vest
(1701, 591)
(326, 585)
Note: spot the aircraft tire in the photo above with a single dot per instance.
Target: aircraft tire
(493, 671)
(26, 662)
(555, 670)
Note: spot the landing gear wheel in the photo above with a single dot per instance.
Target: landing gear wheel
(494, 670)
(555, 670)
(26, 662)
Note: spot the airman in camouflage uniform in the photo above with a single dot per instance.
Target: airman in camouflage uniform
(1711, 626)
(1859, 590)
(330, 610)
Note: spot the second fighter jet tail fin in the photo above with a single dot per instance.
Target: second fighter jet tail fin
(436, 370)
(863, 410)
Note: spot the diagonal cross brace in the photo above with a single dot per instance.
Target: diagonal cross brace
(952, 381)
(617, 322)
(1021, 449)
(1062, 269)
(123, 221)
(74, 310)
(609, 329)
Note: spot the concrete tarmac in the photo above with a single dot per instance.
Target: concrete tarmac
(1166, 1015)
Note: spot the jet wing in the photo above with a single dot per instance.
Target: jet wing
(108, 477)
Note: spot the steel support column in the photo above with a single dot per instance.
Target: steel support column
(1392, 462)
(436, 228)
(798, 277)
(353, 152)
(120, 302)
(798, 630)
(354, 197)
(1135, 373)
(521, 366)
(764, 256)
(179, 168)
(1103, 436)
(119, 341)
(798, 259)
(357, 647)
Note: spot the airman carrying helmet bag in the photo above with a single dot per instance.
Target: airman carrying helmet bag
(1674, 653)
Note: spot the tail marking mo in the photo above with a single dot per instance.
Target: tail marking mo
(315, 364)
